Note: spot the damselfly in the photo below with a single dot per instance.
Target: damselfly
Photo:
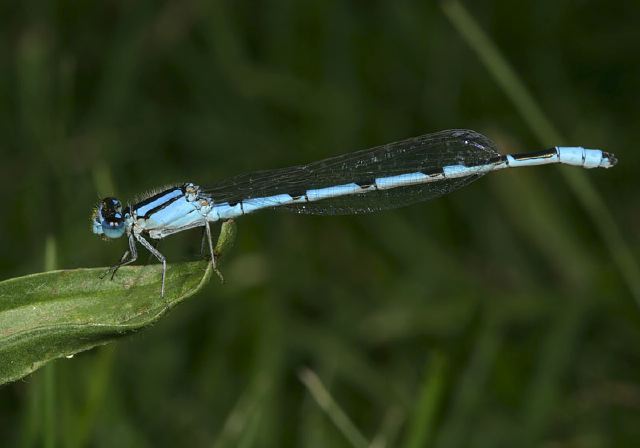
(384, 177)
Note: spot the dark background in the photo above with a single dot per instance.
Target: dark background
(496, 316)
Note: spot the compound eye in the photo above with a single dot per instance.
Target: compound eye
(112, 204)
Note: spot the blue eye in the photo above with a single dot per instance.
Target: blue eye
(108, 219)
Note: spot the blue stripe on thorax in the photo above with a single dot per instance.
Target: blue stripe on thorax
(143, 208)
(175, 212)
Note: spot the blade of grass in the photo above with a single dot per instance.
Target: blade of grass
(78, 431)
(326, 402)
(241, 423)
(49, 405)
(472, 386)
(389, 429)
(31, 421)
(544, 394)
(547, 134)
(421, 430)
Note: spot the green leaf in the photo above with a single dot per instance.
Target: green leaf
(59, 313)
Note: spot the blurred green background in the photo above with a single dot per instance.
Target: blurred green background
(502, 315)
